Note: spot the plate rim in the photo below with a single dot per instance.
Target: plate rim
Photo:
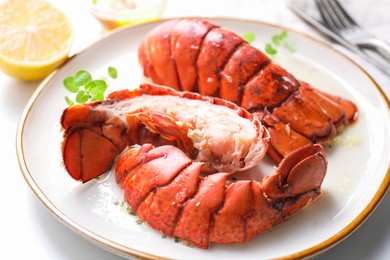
(127, 251)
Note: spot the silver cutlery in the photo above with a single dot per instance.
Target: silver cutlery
(341, 23)
(332, 19)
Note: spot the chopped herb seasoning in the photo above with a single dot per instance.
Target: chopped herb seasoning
(130, 211)
(277, 41)
(249, 37)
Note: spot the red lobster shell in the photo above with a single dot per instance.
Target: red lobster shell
(163, 186)
(211, 130)
(197, 55)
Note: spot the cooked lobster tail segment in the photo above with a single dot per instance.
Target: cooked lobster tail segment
(164, 188)
(197, 55)
(92, 141)
(217, 132)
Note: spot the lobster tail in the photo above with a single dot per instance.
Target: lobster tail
(214, 131)
(214, 61)
(173, 198)
(91, 141)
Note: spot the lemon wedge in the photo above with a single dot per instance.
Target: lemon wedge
(35, 38)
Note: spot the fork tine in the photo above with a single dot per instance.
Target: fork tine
(335, 16)
(351, 35)
(327, 15)
(342, 14)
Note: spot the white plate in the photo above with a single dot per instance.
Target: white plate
(357, 177)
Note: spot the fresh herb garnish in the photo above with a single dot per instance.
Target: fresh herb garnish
(130, 211)
(86, 88)
(279, 40)
(249, 37)
(270, 49)
(186, 243)
(112, 72)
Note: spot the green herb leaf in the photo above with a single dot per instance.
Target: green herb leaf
(82, 78)
(291, 46)
(97, 97)
(99, 88)
(249, 37)
(277, 40)
(89, 86)
(69, 84)
(270, 50)
(280, 39)
(284, 35)
(69, 101)
(82, 97)
(112, 72)
(85, 87)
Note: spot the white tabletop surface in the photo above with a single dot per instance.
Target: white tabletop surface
(29, 230)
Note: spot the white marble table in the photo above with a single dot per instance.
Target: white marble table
(28, 229)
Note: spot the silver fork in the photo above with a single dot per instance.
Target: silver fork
(341, 23)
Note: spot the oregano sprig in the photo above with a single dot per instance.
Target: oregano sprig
(85, 88)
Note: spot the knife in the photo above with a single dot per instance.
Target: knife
(307, 10)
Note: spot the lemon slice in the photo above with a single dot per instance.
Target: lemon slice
(35, 38)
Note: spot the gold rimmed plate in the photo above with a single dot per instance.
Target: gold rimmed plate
(357, 178)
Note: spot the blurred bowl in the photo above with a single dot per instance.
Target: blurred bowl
(116, 13)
